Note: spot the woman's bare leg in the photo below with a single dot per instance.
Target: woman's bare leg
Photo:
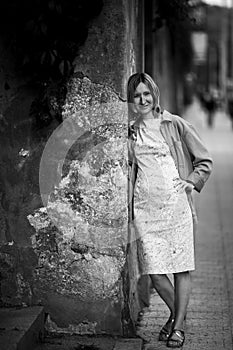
(165, 289)
(182, 284)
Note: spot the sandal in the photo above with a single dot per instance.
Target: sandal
(176, 339)
(166, 330)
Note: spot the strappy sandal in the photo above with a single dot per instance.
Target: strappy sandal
(176, 339)
(165, 331)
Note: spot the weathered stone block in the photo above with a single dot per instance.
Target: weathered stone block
(82, 234)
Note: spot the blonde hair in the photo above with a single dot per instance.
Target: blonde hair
(135, 80)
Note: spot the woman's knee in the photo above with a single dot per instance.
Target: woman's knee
(158, 278)
(182, 275)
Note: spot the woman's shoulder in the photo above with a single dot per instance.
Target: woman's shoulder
(172, 117)
(135, 123)
(176, 120)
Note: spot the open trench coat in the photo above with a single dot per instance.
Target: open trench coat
(190, 155)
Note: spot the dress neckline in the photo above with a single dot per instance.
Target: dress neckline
(145, 118)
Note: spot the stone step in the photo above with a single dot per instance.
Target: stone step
(21, 329)
(68, 341)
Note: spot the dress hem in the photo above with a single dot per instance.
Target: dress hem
(167, 272)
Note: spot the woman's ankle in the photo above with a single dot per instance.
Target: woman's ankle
(171, 317)
(178, 325)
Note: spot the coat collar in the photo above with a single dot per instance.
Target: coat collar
(166, 116)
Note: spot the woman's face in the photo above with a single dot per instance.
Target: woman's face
(143, 100)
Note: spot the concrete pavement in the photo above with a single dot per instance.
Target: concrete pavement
(209, 322)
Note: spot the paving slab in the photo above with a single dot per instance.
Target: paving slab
(129, 344)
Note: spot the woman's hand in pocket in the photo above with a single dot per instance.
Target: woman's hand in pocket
(183, 185)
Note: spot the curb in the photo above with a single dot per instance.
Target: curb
(20, 329)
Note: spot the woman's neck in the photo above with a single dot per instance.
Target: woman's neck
(151, 115)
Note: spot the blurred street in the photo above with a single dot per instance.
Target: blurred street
(209, 321)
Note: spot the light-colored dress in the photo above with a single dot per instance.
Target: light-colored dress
(162, 216)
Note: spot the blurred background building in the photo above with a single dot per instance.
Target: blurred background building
(213, 49)
(189, 49)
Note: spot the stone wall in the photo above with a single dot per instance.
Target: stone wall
(64, 237)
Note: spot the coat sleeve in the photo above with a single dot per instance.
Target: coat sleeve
(200, 157)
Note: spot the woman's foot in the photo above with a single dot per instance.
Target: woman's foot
(176, 339)
(166, 330)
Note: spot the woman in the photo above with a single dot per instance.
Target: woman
(169, 161)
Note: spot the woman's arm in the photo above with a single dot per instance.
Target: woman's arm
(200, 157)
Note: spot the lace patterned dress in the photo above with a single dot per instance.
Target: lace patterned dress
(162, 216)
